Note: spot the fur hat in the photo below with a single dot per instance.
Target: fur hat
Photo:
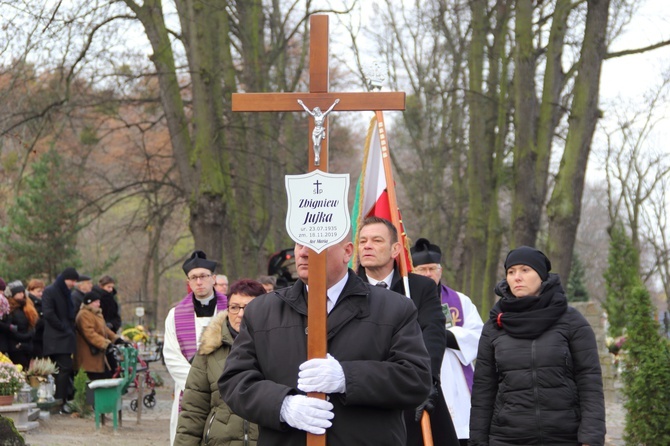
(198, 260)
(525, 255)
(70, 273)
(424, 252)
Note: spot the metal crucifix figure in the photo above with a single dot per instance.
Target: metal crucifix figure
(319, 132)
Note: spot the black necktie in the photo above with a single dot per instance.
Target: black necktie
(382, 284)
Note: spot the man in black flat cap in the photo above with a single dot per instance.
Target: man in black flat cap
(84, 285)
(185, 322)
(59, 336)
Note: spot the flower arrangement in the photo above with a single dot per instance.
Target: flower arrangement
(5, 359)
(11, 379)
(135, 334)
(41, 367)
(614, 345)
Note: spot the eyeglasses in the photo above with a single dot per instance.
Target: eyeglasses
(201, 277)
(234, 308)
(427, 269)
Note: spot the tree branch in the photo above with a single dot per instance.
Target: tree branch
(637, 50)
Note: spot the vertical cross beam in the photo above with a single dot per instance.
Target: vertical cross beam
(317, 299)
(318, 96)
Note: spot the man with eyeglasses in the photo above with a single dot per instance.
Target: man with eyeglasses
(378, 249)
(464, 327)
(185, 322)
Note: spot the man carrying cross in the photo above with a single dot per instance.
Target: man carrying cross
(309, 313)
(377, 363)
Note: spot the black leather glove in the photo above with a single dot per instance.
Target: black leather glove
(110, 347)
(429, 404)
(121, 341)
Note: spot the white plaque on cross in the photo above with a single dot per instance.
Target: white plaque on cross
(317, 215)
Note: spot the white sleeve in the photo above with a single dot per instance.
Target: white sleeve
(468, 335)
(175, 362)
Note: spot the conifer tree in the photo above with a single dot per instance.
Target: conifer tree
(646, 374)
(621, 277)
(41, 233)
(576, 289)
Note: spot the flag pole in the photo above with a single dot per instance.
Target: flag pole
(393, 202)
(403, 266)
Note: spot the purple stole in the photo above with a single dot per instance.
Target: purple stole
(184, 323)
(184, 326)
(450, 297)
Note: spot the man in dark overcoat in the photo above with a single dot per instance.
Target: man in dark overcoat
(59, 336)
(378, 249)
(377, 364)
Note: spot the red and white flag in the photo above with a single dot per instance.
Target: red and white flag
(375, 191)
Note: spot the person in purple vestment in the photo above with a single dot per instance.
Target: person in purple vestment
(464, 327)
(186, 321)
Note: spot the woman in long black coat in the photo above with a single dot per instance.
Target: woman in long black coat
(538, 377)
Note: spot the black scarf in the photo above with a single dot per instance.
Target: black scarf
(232, 331)
(528, 317)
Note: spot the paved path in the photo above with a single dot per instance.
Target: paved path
(153, 429)
(616, 420)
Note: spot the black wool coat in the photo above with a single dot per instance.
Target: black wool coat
(424, 294)
(59, 313)
(426, 297)
(109, 307)
(374, 335)
(39, 327)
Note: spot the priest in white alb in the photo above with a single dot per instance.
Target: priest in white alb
(464, 327)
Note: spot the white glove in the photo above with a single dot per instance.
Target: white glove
(308, 414)
(321, 375)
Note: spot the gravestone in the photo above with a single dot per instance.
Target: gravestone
(9, 436)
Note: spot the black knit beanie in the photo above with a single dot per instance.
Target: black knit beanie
(70, 273)
(525, 255)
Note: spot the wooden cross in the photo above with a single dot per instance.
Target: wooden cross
(318, 96)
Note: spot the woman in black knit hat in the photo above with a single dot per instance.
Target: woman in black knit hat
(538, 377)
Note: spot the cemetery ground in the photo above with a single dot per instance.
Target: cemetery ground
(153, 428)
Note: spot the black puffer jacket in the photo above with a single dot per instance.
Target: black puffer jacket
(542, 390)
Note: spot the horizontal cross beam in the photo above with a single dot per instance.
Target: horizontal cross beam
(275, 102)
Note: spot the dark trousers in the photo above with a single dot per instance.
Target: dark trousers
(64, 387)
(21, 357)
